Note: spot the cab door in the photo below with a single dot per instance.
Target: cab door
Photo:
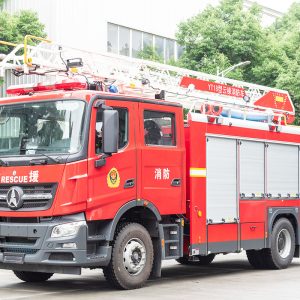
(114, 183)
(161, 157)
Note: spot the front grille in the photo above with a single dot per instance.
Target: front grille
(19, 250)
(18, 241)
(36, 197)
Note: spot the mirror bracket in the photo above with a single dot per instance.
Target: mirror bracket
(101, 161)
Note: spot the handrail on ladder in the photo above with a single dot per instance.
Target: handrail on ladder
(28, 60)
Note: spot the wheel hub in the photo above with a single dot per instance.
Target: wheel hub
(284, 243)
(134, 256)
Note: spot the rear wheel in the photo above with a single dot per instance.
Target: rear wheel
(33, 276)
(282, 250)
(132, 257)
(255, 258)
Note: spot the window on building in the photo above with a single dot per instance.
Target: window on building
(179, 51)
(123, 129)
(137, 42)
(159, 46)
(124, 38)
(126, 41)
(159, 128)
(147, 40)
(112, 38)
(169, 50)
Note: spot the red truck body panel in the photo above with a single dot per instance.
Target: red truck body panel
(84, 188)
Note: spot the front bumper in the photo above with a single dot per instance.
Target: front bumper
(29, 247)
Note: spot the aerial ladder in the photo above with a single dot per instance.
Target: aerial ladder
(212, 95)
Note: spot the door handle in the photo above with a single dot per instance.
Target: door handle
(129, 183)
(176, 182)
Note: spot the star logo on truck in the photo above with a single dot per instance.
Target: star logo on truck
(14, 197)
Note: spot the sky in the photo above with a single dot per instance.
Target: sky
(179, 11)
(279, 5)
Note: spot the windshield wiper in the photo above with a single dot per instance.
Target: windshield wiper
(53, 159)
(3, 163)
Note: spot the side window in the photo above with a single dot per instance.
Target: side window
(159, 128)
(123, 129)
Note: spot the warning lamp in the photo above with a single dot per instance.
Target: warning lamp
(23, 89)
(43, 86)
(113, 89)
(26, 89)
(74, 62)
(68, 84)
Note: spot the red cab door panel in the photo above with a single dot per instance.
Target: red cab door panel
(114, 184)
(162, 157)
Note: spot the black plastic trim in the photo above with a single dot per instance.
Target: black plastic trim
(273, 212)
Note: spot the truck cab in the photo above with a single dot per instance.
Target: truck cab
(78, 169)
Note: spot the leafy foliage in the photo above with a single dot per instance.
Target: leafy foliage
(13, 28)
(227, 34)
(220, 37)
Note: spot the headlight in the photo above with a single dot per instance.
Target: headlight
(67, 229)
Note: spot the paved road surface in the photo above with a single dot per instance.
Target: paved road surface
(229, 277)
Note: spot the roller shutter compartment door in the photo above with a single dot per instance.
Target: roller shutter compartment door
(221, 158)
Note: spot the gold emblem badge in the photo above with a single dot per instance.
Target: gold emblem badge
(113, 178)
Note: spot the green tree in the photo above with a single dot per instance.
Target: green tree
(14, 27)
(286, 32)
(227, 34)
(222, 36)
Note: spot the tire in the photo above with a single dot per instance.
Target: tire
(132, 257)
(256, 258)
(282, 250)
(203, 260)
(33, 276)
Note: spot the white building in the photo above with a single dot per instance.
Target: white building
(120, 26)
(123, 27)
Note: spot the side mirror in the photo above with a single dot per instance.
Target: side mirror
(110, 131)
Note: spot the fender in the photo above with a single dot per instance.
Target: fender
(273, 212)
(134, 203)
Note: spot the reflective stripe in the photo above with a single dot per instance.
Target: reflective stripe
(197, 172)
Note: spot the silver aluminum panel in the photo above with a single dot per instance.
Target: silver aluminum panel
(282, 170)
(221, 180)
(252, 169)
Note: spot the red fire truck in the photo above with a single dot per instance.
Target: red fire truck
(100, 170)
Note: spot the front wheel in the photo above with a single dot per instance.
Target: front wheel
(132, 257)
(282, 250)
(33, 276)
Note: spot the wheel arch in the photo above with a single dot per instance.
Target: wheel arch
(133, 209)
(290, 213)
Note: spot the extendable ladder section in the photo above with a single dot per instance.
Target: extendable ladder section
(132, 76)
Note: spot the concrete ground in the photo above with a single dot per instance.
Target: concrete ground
(229, 277)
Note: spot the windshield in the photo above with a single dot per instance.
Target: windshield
(49, 127)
